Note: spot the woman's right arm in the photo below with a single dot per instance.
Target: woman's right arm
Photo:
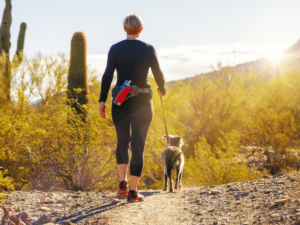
(108, 75)
(106, 81)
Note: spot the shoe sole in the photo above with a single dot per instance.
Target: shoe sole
(123, 193)
(132, 200)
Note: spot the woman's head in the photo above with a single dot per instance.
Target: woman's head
(133, 24)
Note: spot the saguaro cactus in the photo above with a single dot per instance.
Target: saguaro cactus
(5, 48)
(78, 70)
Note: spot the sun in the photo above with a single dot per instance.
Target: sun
(275, 57)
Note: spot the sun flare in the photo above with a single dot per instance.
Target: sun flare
(275, 57)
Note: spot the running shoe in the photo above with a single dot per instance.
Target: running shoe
(123, 188)
(135, 196)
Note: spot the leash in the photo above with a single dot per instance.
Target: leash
(167, 135)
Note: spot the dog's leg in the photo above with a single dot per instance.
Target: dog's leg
(177, 177)
(166, 182)
(180, 185)
(171, 184)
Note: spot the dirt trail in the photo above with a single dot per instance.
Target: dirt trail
(158, 208)
(271, 200)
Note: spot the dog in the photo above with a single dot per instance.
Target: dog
(173, 159)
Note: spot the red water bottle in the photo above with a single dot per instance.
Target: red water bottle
(122, 93)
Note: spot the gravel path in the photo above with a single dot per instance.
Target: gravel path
(271, 200)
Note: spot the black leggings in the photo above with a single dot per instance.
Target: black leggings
(132, 121)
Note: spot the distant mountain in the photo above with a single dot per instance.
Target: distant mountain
(293, 49)
(290, 57)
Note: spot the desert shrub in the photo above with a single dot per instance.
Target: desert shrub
(49, 146)
(224, 165)
(6, 183)
(277, 134)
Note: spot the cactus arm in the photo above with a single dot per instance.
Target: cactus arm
(5, 27)
(18, 58)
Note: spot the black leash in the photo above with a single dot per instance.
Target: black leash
(167, 135)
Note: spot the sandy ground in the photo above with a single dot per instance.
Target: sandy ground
(271, 200)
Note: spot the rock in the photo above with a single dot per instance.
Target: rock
(211, 210)
(43, 219)
(60, 201)
(44, 209)
(23, 216)
(244, 223)
(280, 182)
(215, 222)
(48, 202)
(6, 216)
(215, 192)
(19, 221)
(274, 215)
(278, 175)
(281, 201)
(268, 191)
(76, 196)
(242, 195)
(232, 189)
(70, 223)
(297, 222)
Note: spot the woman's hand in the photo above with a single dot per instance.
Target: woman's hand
(161, 94)
(102, 108)
(162, 91)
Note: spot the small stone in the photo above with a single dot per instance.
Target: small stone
(211, 210)
(48, 202)
(297, 210)
(232, 189)
(23, 216)
(215, 222)
(281, 201)
(43, 219)
(215, 192)
(268, 191)
(76, 196)
(274, 215)
(242, 195)
(44, 209)
(60, 201)
(244, 223)
(280, 182)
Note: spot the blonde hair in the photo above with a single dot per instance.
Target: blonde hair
(133, 23)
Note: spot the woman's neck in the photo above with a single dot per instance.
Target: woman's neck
(132, 37)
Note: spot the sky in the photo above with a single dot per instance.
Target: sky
(189, 36)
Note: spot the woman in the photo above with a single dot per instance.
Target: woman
(132, 59)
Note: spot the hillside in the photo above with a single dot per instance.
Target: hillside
(290, 57)
(271, 200)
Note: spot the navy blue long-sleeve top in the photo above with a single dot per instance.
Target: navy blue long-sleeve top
(132, 60)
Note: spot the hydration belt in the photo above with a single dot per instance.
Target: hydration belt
(120, 93)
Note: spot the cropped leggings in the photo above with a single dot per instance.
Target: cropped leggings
(132, 121)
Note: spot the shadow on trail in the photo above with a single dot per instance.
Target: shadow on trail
(94, 211)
